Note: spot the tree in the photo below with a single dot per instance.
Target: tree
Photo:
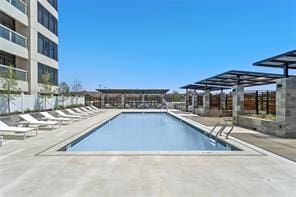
(64, 88)
(176, 97)
(76, 87)
(46, 89)
(9, 84)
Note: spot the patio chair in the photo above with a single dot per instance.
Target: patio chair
(5, 128)
(83, 112)
(48, 116)
(92, 109)
(77, 114)
(84, 109)
(30, 120)
(62, 114)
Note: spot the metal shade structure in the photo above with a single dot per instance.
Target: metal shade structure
(203, 87)
(286, 61)
(245, 78)
(133, 91)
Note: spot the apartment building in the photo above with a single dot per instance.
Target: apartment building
(29, 41)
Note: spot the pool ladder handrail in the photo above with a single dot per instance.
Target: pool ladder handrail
(227, 134)
(213, 129)
(220, 131)
(223, 126)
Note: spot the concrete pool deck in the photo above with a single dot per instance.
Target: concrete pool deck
(26, 172)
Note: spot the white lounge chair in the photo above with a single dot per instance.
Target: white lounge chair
(5, 128)
(90, 109)
(77, 114)
(30, 120)
(62, 114)
(93, 108)
(93, 112)
(87, 110)
(48, 116)
(83, 112)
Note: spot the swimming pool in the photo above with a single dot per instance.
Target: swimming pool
(146, 132)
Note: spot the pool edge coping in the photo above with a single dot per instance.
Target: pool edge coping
(246, 149)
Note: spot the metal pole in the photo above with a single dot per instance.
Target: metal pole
(226, 102)
(286, 70)
(267, 102)
(257, 103)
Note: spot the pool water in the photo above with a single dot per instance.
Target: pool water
(146, 132)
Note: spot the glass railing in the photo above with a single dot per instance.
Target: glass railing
(12, 36)
(20, 5)
(20, 74)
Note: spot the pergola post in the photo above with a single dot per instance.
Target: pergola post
(163, 101)
(206, 101)
(143, 98)
(186, 100)
(123, 101)
(286, 107)
(257, 102)
(286, 70)
(194, 100)
(103, 101)
(222, 101)
(238, 101)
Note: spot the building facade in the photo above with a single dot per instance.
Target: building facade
(29, 41)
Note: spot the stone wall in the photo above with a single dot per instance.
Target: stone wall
(262, 125)
(286, 105)
(237, 103)
(212, 113)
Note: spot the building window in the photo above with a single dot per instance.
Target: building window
(54, 3)
(43, 69)
(7, 21)
(47, 47)
(7, 59)
(46, 19)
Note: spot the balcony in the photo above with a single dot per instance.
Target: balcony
(20, 5)
(21, 75)
(12, 36)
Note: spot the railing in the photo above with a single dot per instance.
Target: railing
(19, 4)
(12, 36)
(20, 74)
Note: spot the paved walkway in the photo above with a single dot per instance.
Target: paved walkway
(24, 173)
(279, 146)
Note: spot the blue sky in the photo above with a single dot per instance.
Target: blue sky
(168, 43)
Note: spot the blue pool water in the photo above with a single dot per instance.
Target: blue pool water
(146, 132)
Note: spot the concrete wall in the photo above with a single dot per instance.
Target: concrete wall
(212, 113)
(261, 125)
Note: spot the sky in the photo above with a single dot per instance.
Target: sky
(168, 43)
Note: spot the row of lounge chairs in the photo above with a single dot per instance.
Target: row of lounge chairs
(31, 124)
